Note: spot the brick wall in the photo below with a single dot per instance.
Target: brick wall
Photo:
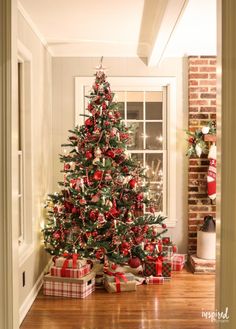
(202, 108)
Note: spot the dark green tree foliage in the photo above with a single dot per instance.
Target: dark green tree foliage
(100, 208)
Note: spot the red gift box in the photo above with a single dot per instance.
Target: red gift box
(155, 280)
(178, 261)
(68, 287)
(70, 272)
(157, 266)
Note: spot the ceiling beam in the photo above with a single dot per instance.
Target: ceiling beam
(160, 18)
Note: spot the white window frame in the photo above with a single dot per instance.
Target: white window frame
(26, 241)
(144, 84)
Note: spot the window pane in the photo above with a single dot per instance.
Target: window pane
(154, 137)
(154, 105)
(137, 136)
(138, 157)
(135, 105)
(121, 109)
(156, 194)
(154, 165)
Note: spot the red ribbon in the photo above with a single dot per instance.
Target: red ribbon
(74, 260)
(158, 261)
(118, 276)
(66, 263)
(64, 267)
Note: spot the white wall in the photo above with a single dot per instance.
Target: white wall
(41, 153)
(63, 72)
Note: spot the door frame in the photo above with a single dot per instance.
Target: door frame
(9, 306)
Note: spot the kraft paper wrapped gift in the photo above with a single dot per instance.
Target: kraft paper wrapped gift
(118, 282)
(113, 275)
(70, 263)
(70, 272)
(68, 287)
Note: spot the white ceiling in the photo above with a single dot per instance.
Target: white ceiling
(123, 28)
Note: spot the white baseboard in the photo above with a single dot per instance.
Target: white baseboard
(32, 295)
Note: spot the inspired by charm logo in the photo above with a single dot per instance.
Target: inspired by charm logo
(219, 316)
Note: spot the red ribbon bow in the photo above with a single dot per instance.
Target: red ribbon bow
(118, 276)
(66, 262)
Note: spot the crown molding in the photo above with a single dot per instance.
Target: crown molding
(33, 27)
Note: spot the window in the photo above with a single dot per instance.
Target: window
(149, 105)
(145, 112)
(25, 236)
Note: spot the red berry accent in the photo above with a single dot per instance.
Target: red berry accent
(88, 155)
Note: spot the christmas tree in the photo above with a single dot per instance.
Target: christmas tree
(103, 209)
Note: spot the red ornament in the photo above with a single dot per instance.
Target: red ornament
(95, 198)
(113, 212)
(125, 169)
(99, 253)
(110, 153)
(113, 266)
(149, 247)
(163, 225)
(90, 107)
(82, 201)
(56, 235)
(104, 106)
(95, 86)
(98, 175)
(67, 166)
(134, 262)
(125, 252)
(88, 155)
(74, 210)
(88, 122)
(119, 151)
(94, 233)
(191, 140)
(124, 136)
(132, 183)
(117, 114)
(140, 197)
(125, 245)
(93, 214)
(165, 240)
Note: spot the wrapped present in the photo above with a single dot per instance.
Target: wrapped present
(68, 287)
(70, 272)
(157, 266)
(155, 280)
(118, 282)
(178, 261)
(111, 276)
(70, 262)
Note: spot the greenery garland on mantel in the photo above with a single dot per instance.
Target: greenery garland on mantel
(196, 143)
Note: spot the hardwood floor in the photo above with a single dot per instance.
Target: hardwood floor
(177, 304)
